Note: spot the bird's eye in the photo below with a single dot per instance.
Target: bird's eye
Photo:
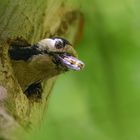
(58, 45)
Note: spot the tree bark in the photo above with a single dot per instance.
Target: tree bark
(32, 20)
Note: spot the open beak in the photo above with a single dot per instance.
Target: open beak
(70, 61)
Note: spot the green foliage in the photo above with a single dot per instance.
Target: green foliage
(102, 101)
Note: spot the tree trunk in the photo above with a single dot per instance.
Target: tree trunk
(32, 20)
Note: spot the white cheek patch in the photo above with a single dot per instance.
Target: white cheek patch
(58, 40)
(47, 44)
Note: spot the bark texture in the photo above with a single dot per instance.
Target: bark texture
(32, 20)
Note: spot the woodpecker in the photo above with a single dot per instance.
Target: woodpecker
(32, 64)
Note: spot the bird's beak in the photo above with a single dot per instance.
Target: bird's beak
(70, 61)
(68, 58)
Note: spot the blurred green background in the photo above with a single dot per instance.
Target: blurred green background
(102, 102)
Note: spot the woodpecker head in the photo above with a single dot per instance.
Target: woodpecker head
(62, 52)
